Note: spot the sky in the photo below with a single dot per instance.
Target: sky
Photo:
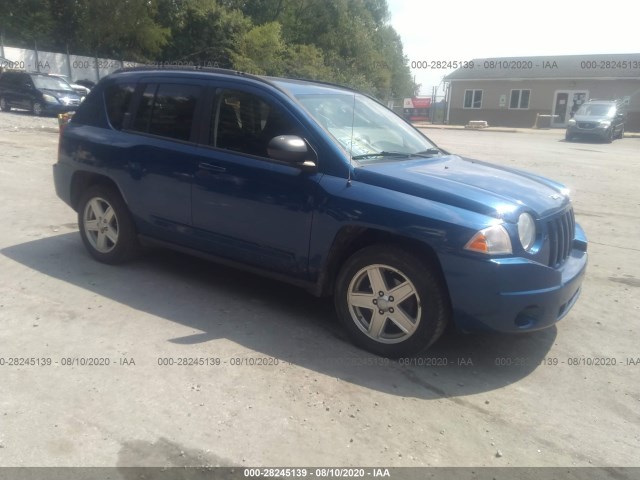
(467, 29)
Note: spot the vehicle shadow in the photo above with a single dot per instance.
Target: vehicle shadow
(586, 140)
(283, 322)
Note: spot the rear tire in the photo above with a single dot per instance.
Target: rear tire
(106, 226)
(391, 302)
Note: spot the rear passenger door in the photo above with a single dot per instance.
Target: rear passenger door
(161, 156)
(247, 206)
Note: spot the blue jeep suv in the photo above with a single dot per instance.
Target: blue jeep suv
(323, 187)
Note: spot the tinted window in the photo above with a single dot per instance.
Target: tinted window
(11, 79)
(246, 123)
(90, 112)
(143, 115)
(167, 110)
(117, 99)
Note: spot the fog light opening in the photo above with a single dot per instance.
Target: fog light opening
(527, 318)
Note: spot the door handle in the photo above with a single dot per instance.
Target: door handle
(211, 167)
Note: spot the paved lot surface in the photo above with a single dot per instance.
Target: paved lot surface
(289, 388)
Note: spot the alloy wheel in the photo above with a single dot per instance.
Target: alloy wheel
(100, 225)
(384, 304)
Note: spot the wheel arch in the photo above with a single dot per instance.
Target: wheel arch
(351, 239)
(83, 180)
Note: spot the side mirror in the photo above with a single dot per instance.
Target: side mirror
(291, 149)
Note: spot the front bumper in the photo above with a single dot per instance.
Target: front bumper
(513, 294)
(599, 132)
(55, 108)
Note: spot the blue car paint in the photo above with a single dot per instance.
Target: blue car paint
(284, 221)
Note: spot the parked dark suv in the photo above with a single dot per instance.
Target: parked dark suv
(323, 187)
(38, 92)
(602, 119)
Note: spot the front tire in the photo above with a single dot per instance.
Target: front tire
(4, 106)
(391, 302)
(609, 138)
(106, 226)
(37, 109)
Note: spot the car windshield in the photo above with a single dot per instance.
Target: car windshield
(365, 129)
(51, 83)
(596, 110)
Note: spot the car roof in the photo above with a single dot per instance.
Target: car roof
(291, 86)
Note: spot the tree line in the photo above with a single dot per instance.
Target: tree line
(344, 41)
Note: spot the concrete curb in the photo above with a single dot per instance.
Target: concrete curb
(559, 131)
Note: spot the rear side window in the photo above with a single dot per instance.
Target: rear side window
(168, 110)
(11, 79)
(117, 99)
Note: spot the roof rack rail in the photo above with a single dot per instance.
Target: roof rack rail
(196, 68)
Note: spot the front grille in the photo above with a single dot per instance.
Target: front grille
(587, 125)
(561, 231)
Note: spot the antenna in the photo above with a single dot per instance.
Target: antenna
(353, 119)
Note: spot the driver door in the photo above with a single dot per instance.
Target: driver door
(246, 206)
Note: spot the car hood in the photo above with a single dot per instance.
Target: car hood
(60, 93)
(469, 184)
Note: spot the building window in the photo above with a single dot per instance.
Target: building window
(520, 99)
(472, 98)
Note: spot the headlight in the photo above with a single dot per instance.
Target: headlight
(526, 230)
(492, 241)
(49, 98)
(572, 121)
(605, 123)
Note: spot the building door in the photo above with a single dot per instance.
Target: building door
(565, 104)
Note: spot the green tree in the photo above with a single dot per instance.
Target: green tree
(202, 32)
(124, 29)
(23, 22)
(261, 50)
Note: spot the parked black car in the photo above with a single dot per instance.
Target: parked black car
(603, 119)
(39, 92)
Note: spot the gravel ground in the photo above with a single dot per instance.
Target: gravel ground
(499, 400)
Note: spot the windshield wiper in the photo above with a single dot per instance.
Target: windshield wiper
(381, 154)
(427, 153)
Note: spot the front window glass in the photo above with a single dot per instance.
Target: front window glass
(597, 110)
(51, 83)
(369, 132)
(246, 123)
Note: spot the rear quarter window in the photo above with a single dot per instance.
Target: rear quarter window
(91, 111)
